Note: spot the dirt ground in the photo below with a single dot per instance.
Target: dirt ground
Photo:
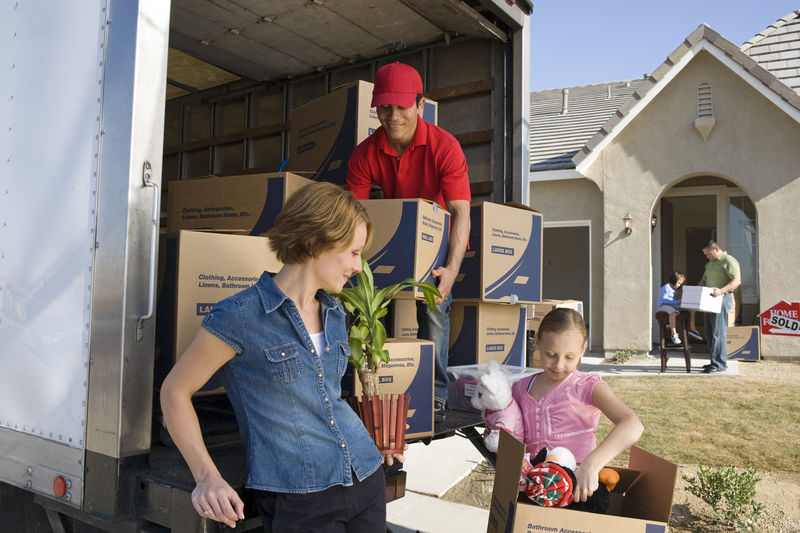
(779, 492)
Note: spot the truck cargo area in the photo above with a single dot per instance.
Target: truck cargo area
(112, 102)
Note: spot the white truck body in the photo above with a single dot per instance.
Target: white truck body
(82, 139)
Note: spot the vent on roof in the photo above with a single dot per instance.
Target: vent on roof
(705, 104)
(564, 101)
(705, 121)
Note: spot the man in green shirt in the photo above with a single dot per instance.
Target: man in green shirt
(723, 274)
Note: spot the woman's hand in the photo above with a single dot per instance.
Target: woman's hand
(390, 459)
(215, 499)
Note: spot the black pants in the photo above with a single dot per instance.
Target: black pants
(360, 508)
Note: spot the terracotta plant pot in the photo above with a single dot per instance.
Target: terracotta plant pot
(385, 419)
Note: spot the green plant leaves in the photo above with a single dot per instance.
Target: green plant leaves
(367, 305)
(730, 493)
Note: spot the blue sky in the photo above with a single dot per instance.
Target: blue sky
(578, 42)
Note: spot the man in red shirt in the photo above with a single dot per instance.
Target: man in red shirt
(409, 158)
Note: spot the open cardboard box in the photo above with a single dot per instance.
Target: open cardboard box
(640, 503)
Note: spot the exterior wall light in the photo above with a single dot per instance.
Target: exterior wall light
(628, 221)
(653, 223)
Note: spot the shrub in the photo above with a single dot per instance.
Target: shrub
(622, 356)
(730, 493)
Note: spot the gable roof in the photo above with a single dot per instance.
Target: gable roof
(703, 38)
(777, 49)
(555, 137)
(569, 142)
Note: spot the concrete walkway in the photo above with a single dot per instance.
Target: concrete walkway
(433, 469)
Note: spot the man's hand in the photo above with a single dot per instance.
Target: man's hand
(446, 277)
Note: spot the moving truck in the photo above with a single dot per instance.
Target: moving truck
(91, 141)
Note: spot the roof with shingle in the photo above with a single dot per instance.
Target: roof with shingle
(564, 141)
(777, 49)
(557, 136)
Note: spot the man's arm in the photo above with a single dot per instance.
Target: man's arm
(459, 235)
(358, 180)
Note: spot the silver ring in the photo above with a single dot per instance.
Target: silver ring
(207, 511)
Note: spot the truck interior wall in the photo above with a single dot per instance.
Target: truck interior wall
(211, 132)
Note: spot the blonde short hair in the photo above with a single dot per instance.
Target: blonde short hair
(316, 218)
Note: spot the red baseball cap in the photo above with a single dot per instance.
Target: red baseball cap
(397, 84)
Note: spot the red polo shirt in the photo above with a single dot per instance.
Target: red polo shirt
(433, 167)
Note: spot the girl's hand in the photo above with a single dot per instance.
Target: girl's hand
(215, 499)
(586, 482)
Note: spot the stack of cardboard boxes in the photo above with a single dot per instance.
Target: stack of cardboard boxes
(212, 249)
(501, 274)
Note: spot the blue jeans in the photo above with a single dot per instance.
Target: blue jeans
(717, 333)
(435, 326)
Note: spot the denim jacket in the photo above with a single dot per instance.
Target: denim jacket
(300, 435)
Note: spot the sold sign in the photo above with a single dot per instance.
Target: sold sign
(783, 318)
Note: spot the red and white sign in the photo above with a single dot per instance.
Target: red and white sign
(783, 318)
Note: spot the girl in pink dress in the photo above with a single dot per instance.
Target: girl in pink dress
(561, 405)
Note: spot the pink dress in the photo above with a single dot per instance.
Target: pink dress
(565, 416)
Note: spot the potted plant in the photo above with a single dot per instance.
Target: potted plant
(384, 416)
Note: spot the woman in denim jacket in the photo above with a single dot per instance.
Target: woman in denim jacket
(281, 349)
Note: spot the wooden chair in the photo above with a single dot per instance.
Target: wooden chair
(682, 326)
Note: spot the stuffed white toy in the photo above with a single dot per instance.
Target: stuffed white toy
(493, 398)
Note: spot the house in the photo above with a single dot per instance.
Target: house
(707, 146)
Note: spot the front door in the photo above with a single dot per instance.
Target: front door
(690, 216)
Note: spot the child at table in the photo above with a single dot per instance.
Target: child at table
(561, 405)
(669, 304)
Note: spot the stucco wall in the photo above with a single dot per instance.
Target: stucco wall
(577, 199)
(754, 144)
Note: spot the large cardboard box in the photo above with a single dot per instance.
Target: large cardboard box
(504, 261)
(640, 503)
(404, 319)
(197, 270)
(463, 380)
(409, 371)
(481, 332)
(324, 132)
(744, 342)
(409, 240)
(536, 313)
(699, 298)
(245, 203)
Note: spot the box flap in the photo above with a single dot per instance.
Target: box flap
(650, 495)
(521, 206)
(510, 452)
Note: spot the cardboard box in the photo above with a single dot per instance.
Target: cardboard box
(409, 240)
(504, 262)
(197, 270)
(245, 203)
(640, 503)
(536, 313)
(481, 331)
(324, 132)
(404, 319)
(409, 371)
(464, 379)
(700, 299)
(744, 342)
